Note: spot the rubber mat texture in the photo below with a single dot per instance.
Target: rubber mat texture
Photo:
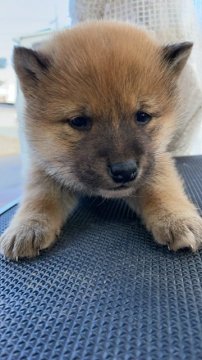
(105, 290)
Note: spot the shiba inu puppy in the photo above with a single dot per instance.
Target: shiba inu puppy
(101, 104)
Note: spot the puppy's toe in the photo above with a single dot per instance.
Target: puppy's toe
(26, 239)
(178, 233)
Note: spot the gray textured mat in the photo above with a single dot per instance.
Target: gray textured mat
(105, 291)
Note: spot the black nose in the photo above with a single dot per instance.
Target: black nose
(123, 172)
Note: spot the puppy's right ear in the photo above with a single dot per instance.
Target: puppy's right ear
(30, 65)
(176, 55)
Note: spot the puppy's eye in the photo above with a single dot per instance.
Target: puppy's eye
(142, 117)
(80, 123)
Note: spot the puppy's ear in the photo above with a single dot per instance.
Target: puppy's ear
(176, 56)
(30, 65)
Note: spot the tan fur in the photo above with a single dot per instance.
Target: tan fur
(165, 209)
(38, 221)
(105, 71)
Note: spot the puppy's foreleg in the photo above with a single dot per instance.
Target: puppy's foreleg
(39, 218)
(166, 210)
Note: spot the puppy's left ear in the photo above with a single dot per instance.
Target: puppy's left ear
(176, 56)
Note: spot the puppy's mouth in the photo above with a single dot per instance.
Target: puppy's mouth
(120, 187)
(117, 191)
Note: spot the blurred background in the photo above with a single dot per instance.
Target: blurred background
(28, 23)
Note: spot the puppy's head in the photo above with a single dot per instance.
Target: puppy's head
(100, 102)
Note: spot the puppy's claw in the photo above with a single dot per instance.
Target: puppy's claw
(192, 248)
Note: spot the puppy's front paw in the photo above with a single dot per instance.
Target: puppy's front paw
(26, 239)
(178, 232)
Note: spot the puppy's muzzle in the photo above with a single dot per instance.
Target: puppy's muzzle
(123, 172)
